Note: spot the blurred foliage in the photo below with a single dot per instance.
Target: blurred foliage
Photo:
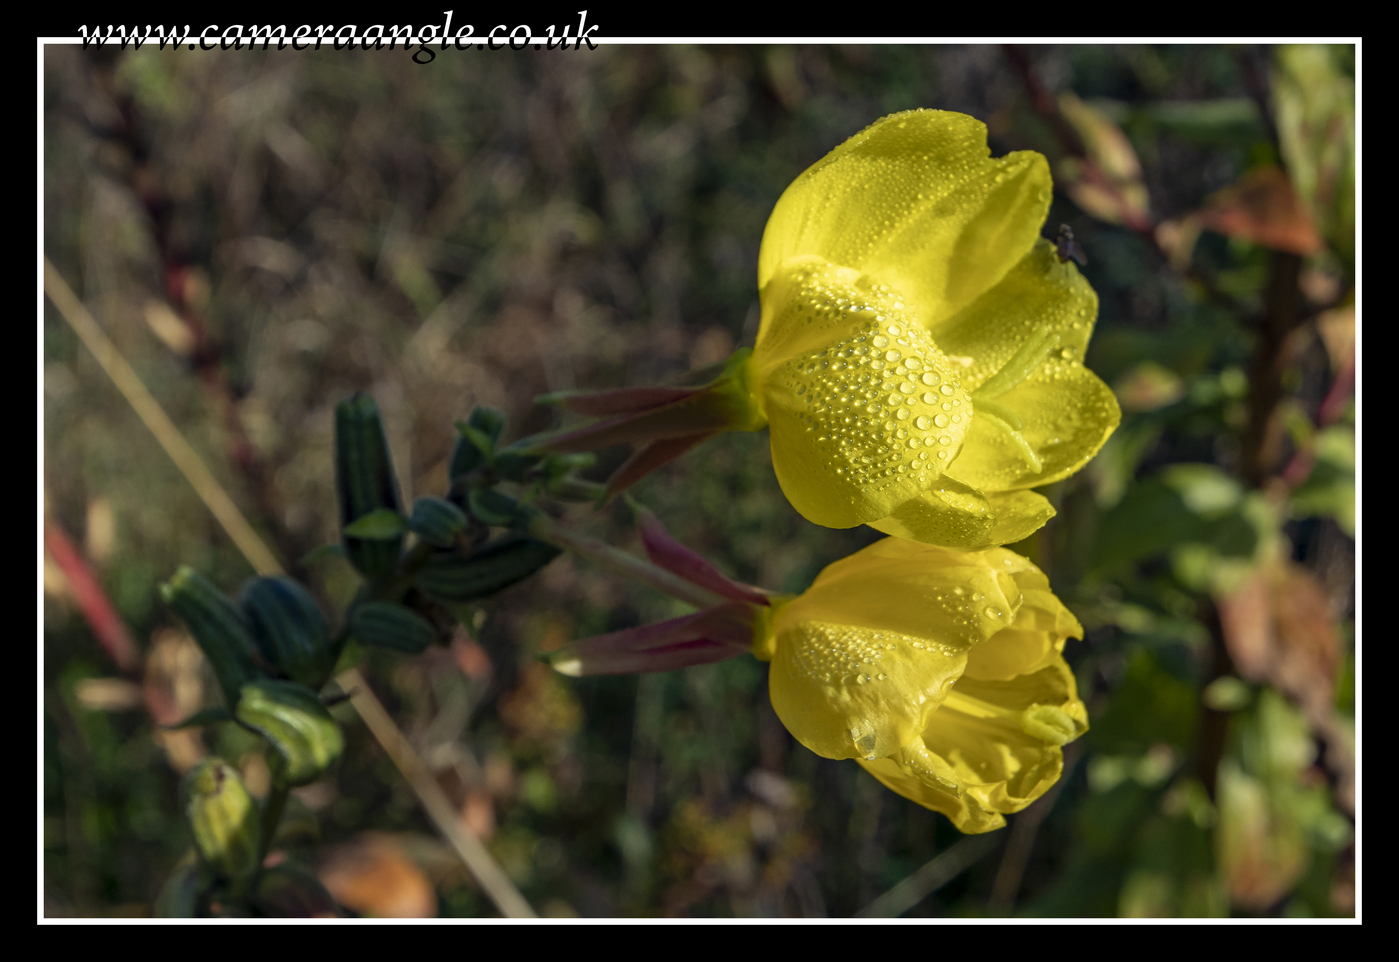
(263, 234)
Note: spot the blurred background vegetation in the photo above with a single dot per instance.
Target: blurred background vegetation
(263, 233)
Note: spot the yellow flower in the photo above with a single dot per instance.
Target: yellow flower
(920, 354)
(940, 671)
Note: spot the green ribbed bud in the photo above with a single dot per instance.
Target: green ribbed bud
(295, 722)
(364, 481)
(387, 625)
(222, 817)
(495, 566)
(437, 521)
(289, 629)
(217, 626)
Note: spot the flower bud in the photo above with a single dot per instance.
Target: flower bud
(365, 482)
(222, 817)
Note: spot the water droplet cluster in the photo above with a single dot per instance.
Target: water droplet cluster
(842, 655)
(876, 397)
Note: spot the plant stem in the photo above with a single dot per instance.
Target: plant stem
(487, 872)
(271, 816)
(628, 565)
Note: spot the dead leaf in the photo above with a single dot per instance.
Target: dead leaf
(478, 814)
(1263, 208)
(1278, 630)
(1337, 330)
(371, 876)
(1107, 183)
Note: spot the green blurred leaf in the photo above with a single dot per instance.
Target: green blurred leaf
(290, 891)
(179, 896)
(324, 553)
(1150, 706)
(1314, 106)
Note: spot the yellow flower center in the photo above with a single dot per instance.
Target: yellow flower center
(1011, 375)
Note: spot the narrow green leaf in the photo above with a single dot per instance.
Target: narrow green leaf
(494, 508)
(324, 553)
(488, 420)
(479, 439)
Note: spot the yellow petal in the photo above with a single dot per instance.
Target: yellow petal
(963, 809)
(1034, 639)
(863, 656)
(916, 200)
(854, 393)
(957, 515)
(992, 747)
(847, 692)
(1067, 412)
(1039, 292)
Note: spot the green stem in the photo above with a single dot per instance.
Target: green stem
(547, 529)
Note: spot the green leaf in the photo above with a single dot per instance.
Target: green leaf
(495, 566)
(222, 817)
(290, 891)
(479, 439)
(296, 724)
(488, 420)
(437, 521)
(179, 897)
(515, 465)
(387, 625)
(494, 508)
(383, 524)
(209, 716)
(324, 553)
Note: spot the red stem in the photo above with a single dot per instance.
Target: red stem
(99, 612)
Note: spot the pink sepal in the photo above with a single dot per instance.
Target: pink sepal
(698, 639)
(648, 458)
(697, 412)
(666, 552)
